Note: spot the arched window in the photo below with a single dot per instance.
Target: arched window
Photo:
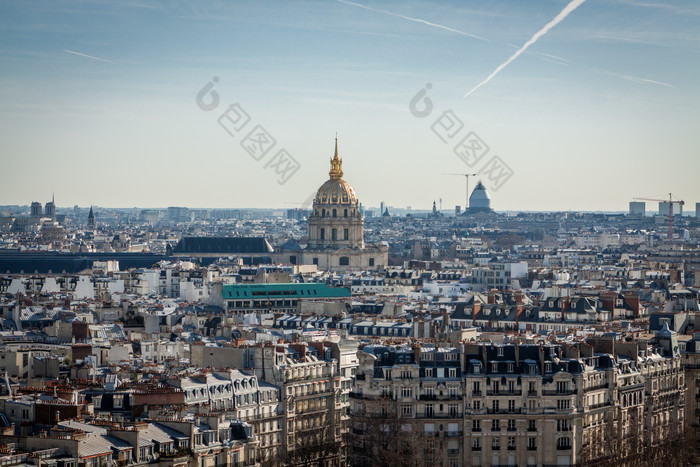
(323, 212)
(335, 213)
(346, 234)
(346, 213)
(334, 234)
(344, 261)
(323, 233)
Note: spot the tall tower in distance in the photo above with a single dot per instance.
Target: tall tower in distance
(91, 220)
(50, 209)
(36, 209)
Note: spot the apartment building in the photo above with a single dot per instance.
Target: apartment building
(484, 404)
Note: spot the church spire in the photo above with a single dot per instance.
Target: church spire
(336, 172)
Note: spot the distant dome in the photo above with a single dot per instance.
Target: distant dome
(335, 192)
(480, 199)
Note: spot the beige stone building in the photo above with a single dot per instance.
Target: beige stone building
(336, 229)
(529, 405)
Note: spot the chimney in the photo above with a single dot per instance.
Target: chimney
(492, 296)
(632, 299)
(518, 296)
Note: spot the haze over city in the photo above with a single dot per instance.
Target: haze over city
(99, 100)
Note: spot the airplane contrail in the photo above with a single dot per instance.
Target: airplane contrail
(557, 19)
(86, 56)
(415, 20)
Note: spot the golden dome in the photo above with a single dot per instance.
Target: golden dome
(336, 190)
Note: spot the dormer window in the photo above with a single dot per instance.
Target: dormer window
(500, 351)
(494, 367)
(548, 367)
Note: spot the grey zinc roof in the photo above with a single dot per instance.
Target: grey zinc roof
(96, 444)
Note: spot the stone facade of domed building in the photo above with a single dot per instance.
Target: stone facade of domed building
(336, 229)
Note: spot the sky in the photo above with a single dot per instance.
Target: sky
(236, 104)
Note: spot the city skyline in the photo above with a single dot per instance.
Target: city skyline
(101, 101)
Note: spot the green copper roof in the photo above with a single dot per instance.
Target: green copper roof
(283, 291)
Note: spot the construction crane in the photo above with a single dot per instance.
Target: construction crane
(670, 202)
(466, 178)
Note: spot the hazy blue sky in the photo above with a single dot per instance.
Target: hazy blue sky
(99, 100)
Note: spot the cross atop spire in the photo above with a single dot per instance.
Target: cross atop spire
(336, 172)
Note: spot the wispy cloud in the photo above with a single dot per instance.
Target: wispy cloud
(557, 19)
(415, 20)
(86, 56)
(631, 78)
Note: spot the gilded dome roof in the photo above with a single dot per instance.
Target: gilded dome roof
(336, 190)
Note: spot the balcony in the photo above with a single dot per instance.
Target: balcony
(476, 448)
(532, 448)
(511, 448)
(564, 448)
(503, 392)
(558, 393)
(531, 428)
(452, 452)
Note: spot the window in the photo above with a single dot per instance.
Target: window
(315, 261)
(429, 373)
(346, 234)
(564, 443)
(496, 444)
(563, 425)
(532, 388)
(532, 444)
(500, 351)
(406, 392)
(511, 443)
(477, 405)
(335, 212)
(495, 425)
(344, 260)
(453, 410)
(429, 410)
(406, 410)
(323, 233)
(334, 234)
(476, 388)
(476, 444)
(563, 404)
(494, 406)
(511, 425)
(453, 372)
(531, 425)
(371, 261)
(345, 213)
(511, 405)
(476, 425)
